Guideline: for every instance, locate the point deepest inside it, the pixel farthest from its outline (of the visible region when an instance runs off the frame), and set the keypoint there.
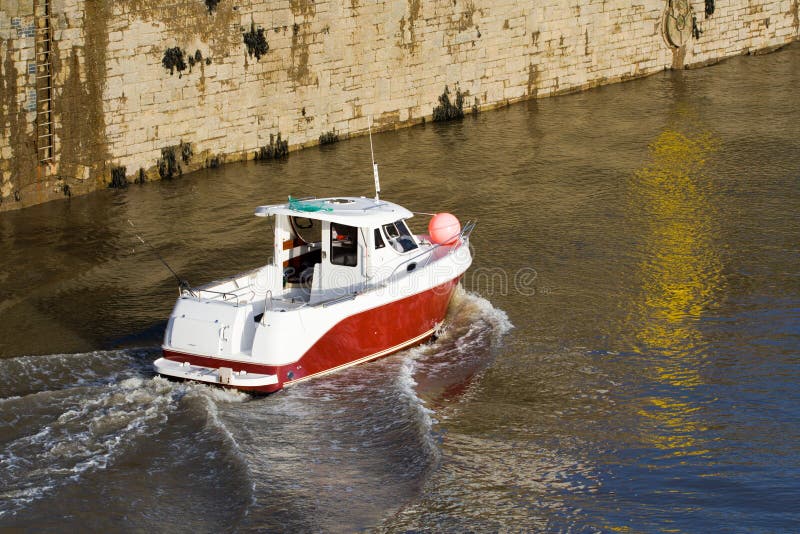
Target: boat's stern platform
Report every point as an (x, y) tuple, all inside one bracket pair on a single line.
[(222, 376)]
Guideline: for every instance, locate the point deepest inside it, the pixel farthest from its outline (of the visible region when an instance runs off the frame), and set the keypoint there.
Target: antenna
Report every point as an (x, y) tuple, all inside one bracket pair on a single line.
[(374, 165)]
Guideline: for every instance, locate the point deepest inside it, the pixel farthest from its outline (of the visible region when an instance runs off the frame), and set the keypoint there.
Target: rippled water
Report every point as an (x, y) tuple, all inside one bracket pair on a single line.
[(624, 355)]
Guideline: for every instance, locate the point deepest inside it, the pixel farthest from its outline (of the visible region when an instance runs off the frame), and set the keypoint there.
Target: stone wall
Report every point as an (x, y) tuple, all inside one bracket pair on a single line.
[(311, 68)]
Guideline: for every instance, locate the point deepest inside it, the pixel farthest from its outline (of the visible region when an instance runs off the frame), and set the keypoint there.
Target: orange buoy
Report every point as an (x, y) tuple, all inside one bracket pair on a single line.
[(444, 229)]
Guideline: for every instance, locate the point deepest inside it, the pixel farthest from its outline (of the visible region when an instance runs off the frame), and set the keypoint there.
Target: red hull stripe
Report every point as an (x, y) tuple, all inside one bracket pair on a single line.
[(419, 339), (215, 363)]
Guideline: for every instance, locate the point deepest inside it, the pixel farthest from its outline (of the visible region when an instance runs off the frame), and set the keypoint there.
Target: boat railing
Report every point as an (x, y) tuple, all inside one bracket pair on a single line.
[(463, 237), (224, 296), (267, 305), (238, 291), (337, 300)]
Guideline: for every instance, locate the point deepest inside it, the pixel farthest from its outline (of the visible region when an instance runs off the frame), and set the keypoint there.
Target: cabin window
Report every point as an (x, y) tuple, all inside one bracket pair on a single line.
[(399, 236), (307, 230), (344, 245), (302, 250), (379, 239)]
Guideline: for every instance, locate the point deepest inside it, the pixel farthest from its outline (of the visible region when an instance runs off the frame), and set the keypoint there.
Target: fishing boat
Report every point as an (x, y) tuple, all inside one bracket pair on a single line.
[(348, 283)]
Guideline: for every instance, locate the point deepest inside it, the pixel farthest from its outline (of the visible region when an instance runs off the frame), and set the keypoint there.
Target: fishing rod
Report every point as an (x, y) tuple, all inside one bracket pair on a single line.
[(182, 284)]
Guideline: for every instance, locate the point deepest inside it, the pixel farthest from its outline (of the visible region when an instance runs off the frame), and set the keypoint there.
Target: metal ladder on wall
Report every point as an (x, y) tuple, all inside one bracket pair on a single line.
[(44, 82)]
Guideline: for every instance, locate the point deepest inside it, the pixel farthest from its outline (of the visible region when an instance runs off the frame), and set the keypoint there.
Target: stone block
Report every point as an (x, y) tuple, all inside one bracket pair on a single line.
[(161, 97)]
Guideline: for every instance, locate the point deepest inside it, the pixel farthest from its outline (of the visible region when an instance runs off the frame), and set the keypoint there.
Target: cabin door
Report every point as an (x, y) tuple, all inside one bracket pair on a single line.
[(341, 270)]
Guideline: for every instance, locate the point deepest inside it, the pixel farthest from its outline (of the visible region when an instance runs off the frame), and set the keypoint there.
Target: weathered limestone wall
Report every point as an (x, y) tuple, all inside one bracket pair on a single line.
[(329, 65)]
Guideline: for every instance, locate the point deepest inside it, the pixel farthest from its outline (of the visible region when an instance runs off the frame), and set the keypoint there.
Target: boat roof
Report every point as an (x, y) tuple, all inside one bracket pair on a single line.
[(352, 211)]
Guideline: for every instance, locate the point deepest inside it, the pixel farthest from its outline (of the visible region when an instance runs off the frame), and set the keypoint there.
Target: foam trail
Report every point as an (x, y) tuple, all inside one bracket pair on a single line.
[(91, 429), (87, 424), (24, 375), (425, 417), (472, 328), (210, 398)]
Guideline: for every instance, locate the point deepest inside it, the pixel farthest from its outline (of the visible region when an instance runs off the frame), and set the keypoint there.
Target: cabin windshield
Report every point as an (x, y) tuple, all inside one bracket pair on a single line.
[(378, 239), (399, 236)]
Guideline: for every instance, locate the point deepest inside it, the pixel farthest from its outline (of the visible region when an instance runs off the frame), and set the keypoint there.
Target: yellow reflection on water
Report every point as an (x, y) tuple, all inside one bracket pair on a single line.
[(680, 277)]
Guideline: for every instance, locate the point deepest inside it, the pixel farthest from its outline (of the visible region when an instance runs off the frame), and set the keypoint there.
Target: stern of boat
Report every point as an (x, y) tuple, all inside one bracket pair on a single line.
[(221, 376)]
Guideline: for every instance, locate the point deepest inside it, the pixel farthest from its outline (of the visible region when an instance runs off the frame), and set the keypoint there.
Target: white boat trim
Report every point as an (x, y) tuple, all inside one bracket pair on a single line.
[(223, 375)]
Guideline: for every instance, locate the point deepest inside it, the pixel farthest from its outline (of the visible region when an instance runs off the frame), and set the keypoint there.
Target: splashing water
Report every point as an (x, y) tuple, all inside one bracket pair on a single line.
[(78, 413)]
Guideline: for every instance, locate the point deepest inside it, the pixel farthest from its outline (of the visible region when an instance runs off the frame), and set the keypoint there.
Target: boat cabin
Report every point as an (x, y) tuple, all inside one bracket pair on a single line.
[(329, 248)]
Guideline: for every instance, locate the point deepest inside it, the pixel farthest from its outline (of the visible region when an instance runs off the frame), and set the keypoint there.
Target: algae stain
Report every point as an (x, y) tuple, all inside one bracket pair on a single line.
[(8, 85), (74, 104), (81, 129), (678, 57), (586, 50), (465, 21), (533, 80), (414, 8), (201, 84), (303, 8), (6, 78), (22, 142), (220, 31), (299, 72)]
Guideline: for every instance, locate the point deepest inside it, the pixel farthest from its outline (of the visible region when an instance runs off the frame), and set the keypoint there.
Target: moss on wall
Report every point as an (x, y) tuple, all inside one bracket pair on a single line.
[(449, 110), (174, 60), (256, 42)]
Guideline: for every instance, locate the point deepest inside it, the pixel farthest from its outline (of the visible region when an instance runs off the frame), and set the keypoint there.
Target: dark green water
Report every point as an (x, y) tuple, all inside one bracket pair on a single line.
[(643, 239)]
